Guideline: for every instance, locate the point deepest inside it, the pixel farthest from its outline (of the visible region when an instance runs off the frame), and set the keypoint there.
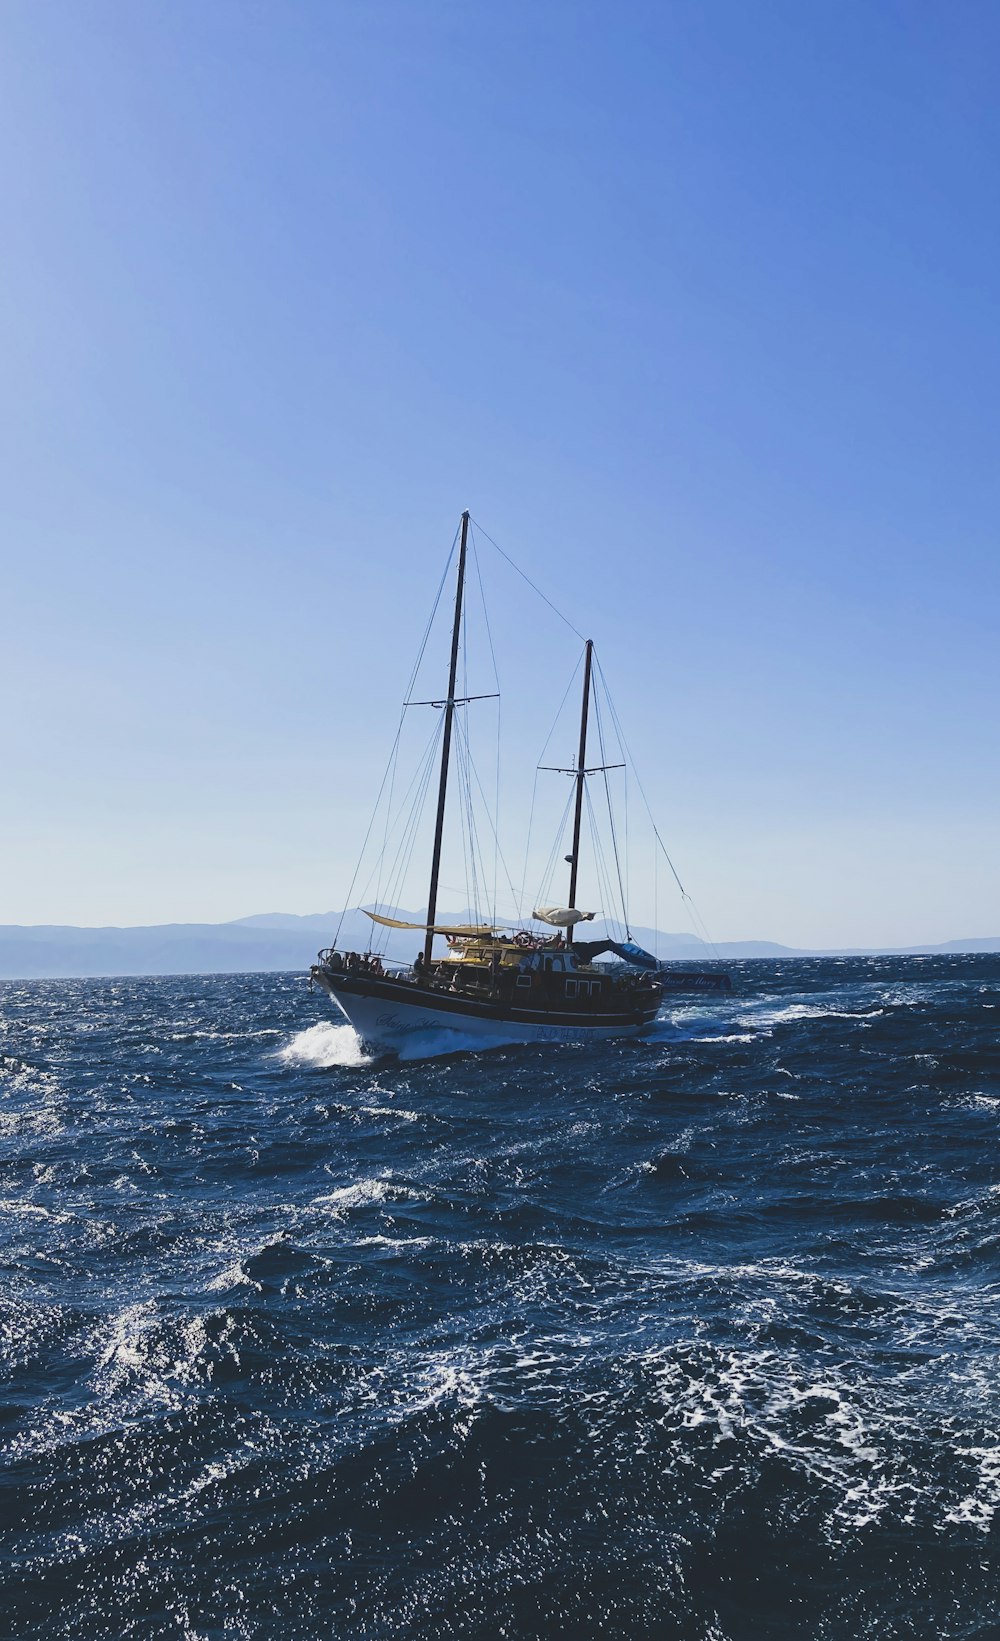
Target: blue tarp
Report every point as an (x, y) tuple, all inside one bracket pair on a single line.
[(631, 953), (587, 950)]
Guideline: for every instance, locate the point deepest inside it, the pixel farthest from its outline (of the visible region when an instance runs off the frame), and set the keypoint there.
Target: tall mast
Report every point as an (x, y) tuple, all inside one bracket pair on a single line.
[(449, 715), (581, 776)]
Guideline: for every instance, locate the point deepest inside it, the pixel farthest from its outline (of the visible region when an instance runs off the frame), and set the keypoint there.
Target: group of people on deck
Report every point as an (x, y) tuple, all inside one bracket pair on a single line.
[(356, 962)]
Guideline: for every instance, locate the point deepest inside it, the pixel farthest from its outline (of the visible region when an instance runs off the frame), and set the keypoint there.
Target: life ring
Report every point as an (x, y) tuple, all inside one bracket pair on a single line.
[(524, 939)]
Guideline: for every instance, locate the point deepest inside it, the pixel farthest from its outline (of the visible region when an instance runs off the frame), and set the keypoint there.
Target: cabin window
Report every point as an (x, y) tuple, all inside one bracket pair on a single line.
[(583, 988), (524, 982)]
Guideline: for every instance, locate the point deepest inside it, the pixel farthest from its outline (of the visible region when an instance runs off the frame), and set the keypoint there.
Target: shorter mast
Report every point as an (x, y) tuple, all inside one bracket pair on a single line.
[(449, 715), (581, 776)]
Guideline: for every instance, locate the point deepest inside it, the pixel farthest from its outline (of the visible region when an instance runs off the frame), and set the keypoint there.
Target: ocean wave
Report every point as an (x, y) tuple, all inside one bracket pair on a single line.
[(693, 1336)]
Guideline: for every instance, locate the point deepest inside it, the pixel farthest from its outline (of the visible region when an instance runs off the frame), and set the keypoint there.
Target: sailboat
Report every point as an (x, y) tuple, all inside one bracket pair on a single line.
[(497, 984)]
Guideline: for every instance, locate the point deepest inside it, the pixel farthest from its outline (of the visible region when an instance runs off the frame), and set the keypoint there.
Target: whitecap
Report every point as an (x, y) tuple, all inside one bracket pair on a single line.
[(363, 1193), (325, 1045)]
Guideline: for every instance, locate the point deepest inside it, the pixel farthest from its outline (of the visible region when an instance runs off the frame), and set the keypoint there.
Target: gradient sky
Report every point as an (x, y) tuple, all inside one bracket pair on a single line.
[(693, 304)]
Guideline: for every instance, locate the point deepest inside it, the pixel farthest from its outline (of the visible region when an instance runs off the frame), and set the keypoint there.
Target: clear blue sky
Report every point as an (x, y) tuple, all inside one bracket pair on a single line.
[(694, 304)]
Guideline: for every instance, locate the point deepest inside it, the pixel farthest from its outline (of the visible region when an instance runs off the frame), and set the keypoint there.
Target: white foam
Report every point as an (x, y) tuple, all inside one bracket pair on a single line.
[(33, 1210), (358, 1195), (234, 1276), (979, 1508), (395, 1242), (363, 1193), (806, 1011), (325, 1045), (400, 1112)]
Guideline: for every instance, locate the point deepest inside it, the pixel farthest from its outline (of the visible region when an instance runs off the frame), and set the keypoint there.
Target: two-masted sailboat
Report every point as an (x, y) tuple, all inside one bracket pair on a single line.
[(496, 984)]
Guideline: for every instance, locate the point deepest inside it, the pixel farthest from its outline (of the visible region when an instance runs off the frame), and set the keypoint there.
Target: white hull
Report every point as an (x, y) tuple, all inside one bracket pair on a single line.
[(393, 1025)]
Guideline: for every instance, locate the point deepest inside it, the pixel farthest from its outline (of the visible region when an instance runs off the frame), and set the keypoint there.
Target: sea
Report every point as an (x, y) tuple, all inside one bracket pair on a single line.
[(690, 1337)]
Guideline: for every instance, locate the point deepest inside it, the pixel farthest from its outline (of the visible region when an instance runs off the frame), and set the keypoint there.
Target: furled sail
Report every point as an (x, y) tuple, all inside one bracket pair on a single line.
[(436, 928), (562, 917)]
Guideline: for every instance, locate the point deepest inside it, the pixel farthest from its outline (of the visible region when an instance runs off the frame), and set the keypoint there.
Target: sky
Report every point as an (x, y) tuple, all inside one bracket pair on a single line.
[(693, 304)]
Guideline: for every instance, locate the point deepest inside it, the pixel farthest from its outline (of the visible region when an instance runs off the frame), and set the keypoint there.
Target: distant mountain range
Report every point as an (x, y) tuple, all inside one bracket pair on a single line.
[(279, 940)]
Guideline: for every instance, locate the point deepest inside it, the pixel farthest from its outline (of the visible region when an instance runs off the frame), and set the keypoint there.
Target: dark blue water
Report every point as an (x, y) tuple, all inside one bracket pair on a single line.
[(697, 1337)]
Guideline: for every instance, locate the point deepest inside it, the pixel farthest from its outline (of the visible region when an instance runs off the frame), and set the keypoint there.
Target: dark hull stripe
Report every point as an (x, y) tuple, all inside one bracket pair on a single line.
[(444, 1003)]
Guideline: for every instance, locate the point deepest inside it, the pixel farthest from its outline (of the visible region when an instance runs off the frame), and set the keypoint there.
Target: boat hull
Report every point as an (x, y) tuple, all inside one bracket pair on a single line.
[(394, 1015)]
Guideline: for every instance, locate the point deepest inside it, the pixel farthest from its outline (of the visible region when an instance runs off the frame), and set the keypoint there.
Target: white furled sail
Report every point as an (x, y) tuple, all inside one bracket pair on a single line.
[(562, 917), (434, 928)]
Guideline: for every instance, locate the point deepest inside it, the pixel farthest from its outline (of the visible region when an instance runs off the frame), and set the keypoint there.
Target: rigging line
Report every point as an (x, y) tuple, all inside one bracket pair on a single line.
[(476, 863), (430, 619), (510, 883), (628, 880), (625, 797), (459, 795), (519, 898), (656, 904), (534, 789), (406, 855), (407, 847), (471, 769), (388, 806), (559, 709), (693, 911), (531, 584), (550, 864), (468, 853), (495, 819), (611, 812), (638, 781), (603, 873), (410, 805), (486, 613), (403, 819), (395, 745), (496, 680), (467, 821), (470, 895), (701, 929), (559, 842), (468, 848), (368, 833), (478, 854), (418, 785)]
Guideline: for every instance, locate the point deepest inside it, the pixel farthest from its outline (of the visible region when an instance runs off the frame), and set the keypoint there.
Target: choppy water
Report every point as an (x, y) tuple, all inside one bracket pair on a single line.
[(697, 1337)]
